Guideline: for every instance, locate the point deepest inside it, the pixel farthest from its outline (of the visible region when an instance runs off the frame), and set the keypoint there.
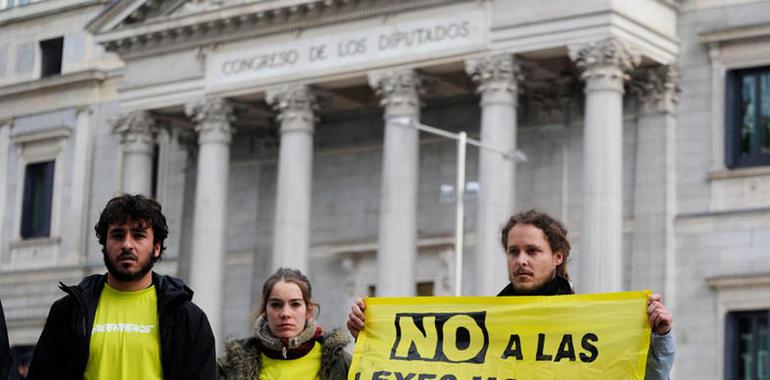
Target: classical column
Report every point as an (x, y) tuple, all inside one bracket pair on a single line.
[(652, 255), (137, 132), (604, 64), (496, 78), (398, 198), (81, 174), (291, 236), (212, 118)]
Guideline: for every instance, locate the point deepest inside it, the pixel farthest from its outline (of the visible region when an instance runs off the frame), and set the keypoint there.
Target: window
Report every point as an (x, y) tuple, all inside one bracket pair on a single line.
[(425, 289), (747, 345), (748, 117), (51, 56), (36, 201)]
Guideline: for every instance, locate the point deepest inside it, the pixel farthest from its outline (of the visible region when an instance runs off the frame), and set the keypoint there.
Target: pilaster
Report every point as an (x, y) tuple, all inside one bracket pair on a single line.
[(653, 252)]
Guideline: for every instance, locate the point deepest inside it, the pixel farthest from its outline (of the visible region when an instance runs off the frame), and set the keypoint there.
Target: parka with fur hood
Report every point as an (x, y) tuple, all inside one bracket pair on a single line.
[(241, 360)]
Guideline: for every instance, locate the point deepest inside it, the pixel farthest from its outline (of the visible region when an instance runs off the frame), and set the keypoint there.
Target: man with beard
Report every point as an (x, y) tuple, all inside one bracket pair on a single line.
[(537, 249), (130, 323)]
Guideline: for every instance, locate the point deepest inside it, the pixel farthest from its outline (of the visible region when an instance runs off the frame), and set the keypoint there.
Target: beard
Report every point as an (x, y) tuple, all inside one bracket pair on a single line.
[(532, 288), (123, 275)]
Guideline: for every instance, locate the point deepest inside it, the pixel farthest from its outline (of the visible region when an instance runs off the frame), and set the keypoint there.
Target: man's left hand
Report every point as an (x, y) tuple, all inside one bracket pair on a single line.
[(660, 318)]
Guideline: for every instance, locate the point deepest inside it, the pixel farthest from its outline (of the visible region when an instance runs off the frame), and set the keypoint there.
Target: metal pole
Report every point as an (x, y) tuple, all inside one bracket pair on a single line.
[(462, 141), (459, 212)]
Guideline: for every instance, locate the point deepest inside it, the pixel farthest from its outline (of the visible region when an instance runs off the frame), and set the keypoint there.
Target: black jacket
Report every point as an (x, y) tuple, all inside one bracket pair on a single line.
[(5, 351), (186, 340), (556, 287)]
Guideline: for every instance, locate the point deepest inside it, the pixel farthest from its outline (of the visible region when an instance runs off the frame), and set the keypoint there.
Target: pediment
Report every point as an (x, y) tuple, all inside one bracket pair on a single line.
[(122, 14), (153, 26)]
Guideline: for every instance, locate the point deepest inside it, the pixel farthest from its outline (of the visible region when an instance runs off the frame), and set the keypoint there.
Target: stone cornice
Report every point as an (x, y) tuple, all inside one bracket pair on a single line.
[(44, 8), (739, 281), (88, 77), (242, 21), (736, 34)]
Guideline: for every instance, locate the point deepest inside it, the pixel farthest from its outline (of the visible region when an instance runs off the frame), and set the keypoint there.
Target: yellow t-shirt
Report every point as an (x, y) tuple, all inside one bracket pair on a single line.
[(125, 341), (307, 367)]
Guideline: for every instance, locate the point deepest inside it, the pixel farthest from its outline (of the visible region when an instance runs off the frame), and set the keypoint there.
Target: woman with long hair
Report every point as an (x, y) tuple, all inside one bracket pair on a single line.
[(286, 343)]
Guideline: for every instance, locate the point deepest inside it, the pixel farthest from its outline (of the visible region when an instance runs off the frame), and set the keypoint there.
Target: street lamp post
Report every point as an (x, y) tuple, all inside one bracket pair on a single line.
[(462, 140)]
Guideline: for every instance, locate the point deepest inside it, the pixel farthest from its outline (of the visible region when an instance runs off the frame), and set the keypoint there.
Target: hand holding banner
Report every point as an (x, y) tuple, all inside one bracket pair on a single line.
[(596, 336)]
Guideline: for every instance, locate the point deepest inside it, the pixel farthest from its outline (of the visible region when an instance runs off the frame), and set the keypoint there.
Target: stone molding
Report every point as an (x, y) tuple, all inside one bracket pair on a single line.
[(608, 60), (657, 88), (221, 20), (137, 130), (212, 118), (400, 90), (296, 105), (495, 74)]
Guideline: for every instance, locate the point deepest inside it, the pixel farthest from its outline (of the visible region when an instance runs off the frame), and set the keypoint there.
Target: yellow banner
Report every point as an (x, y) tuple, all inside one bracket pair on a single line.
[(595, 336)]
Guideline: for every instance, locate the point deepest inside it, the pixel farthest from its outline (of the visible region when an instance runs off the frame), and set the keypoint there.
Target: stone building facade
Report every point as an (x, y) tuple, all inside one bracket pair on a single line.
[(283, 133)]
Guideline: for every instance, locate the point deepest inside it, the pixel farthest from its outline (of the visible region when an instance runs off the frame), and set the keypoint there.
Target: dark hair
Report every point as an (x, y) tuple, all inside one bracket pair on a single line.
[(553, 229), (137, 208), (293, 276)]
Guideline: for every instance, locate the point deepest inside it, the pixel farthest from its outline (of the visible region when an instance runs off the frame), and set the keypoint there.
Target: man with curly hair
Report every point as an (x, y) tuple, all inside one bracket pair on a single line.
[(130, 323), (537, 249)]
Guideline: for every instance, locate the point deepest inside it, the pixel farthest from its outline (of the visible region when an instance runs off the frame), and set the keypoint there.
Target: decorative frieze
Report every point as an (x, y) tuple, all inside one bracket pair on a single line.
[(495, 74), (657, 88), (296, 105), (607, 61), (212, 118), (137, 131), (400, 90)]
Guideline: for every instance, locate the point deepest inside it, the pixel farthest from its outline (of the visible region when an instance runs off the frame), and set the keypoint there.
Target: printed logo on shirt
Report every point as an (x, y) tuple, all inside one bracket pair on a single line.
[(122, 328)]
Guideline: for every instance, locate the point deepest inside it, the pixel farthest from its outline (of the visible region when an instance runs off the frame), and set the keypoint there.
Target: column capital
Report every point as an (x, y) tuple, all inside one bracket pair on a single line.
[(137, 130), (400, 90), (212, 118), (605, 60), (495, 74), (657, 88), (295, 104)]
